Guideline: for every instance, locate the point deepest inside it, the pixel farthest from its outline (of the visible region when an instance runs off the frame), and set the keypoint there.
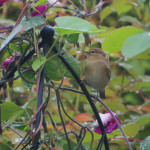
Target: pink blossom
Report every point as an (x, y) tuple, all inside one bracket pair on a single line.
[(6, 62), (2, 1), (41, 9), (108, 122)]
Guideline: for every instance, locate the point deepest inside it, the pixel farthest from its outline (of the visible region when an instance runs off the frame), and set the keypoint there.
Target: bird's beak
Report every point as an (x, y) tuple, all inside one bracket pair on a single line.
[(85, 51)]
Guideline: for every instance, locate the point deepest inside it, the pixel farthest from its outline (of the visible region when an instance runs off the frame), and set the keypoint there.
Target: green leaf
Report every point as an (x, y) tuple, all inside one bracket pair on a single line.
[(131, 129), (136, 44), (141, 1), (8, 109), (130, 19), (14, 47), (133, 68), (70, 25), (74, 65), (40, 2), (30, 112), (116, 104), (143, 56), (115, 40), (19, 126), (26, 129), (73, 38), (29, 76), (14, 116), (5, 145), (56, 70), (145, 78), (121, 6), (135, 65), (119, 81), (128, 68), (21, 27), (26, 105), (105, 12), (38, 63), (72, 144), (88, 137), (10, 112), (145, 145), (144, 119), (132, 98), (3, 56)]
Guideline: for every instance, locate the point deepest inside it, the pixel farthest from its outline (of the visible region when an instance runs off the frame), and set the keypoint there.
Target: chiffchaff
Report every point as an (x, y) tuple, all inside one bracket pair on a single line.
[(97, 70)]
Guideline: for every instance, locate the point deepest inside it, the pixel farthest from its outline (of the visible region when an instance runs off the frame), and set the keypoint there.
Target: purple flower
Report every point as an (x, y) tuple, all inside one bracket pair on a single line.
[(2, 1), (108, 122), (6, 62), (41, 9)]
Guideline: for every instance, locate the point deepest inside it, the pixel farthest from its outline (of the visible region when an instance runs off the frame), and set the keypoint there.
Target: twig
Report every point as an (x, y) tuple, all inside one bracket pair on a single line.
[(39, 126), (22, 140), (14, 131), (21, 14), (81, 139), (19, 64), (62, 121), (31, 121), (77, 123), (22, 72), (26, 145), (73, 4), (53, 123)]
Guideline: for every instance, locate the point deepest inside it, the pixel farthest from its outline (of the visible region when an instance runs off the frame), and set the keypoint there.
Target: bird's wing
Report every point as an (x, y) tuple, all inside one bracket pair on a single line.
[(107, 70)]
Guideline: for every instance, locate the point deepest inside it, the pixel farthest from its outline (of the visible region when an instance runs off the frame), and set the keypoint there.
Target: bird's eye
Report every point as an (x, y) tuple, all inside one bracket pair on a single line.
[(93, 52)]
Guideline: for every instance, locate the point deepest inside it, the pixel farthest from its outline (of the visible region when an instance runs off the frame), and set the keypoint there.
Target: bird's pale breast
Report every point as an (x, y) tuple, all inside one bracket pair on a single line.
[(96, 74)]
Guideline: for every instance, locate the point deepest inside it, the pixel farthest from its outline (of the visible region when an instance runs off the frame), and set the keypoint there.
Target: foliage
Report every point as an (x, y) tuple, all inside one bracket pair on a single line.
[(121, 28)]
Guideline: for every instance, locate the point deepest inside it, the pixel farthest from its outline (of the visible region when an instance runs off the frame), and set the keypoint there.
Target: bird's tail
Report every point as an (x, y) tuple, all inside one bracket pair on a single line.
[(102, 94)]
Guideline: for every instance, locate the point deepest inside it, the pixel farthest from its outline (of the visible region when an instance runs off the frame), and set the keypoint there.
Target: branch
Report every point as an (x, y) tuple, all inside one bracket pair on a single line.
[(125, 137)]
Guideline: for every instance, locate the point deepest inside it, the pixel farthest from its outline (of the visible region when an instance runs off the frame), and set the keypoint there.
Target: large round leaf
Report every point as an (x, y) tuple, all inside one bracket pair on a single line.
[(145, 145), (115, 40), (136, 44), (56, 70), (71, 25)]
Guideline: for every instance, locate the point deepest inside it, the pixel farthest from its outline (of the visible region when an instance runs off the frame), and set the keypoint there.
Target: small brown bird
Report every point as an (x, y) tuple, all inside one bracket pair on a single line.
[(97, 70)]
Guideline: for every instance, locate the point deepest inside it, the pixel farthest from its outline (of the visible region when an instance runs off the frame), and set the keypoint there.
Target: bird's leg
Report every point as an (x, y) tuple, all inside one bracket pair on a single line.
[(97, 94)]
